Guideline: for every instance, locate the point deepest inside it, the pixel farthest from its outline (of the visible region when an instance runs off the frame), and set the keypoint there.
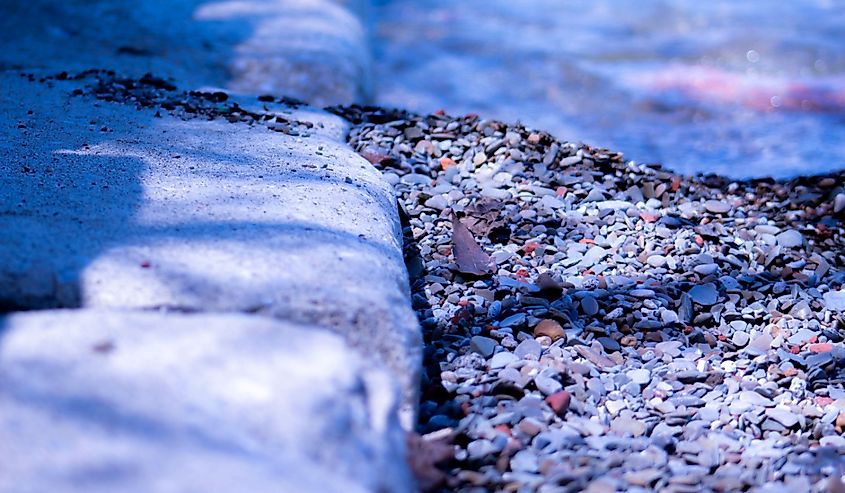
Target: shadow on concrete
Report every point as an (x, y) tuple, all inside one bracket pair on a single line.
[(75, 205), (159, 36)]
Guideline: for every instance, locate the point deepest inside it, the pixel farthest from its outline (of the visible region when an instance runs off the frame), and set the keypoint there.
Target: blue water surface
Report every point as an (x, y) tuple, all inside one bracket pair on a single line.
[(741, 88)]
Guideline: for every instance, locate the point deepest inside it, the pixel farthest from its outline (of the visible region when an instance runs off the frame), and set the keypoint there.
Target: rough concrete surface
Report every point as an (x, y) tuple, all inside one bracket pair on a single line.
[(197, 215), (101, 401), (312, 49)]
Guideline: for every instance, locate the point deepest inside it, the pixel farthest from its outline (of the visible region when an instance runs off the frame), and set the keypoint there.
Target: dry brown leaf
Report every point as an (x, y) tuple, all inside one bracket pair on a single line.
[(469, 256), (423, 457), (483, 216), (835, 485)]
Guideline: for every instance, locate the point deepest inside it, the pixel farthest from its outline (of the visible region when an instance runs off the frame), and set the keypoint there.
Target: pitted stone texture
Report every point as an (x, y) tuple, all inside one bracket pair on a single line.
[(198, 215), (315, 50), (101, 401)]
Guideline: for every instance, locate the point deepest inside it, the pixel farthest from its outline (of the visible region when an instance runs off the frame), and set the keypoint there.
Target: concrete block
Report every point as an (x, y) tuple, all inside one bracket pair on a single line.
[(134, 211), (102, 401)]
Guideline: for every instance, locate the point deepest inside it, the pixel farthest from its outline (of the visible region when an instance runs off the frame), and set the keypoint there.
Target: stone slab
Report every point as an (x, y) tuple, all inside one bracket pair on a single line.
[(102, 401), (102, 205)]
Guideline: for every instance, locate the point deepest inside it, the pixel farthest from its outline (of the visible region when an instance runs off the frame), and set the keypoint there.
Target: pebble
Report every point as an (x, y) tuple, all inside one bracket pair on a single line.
[(790, 239), (755, 399), (609, 344), (530, 426), (643, 478), (640, 376), (801, 336), (559, 402), (704, 294), (835, 301), (760, 345), (839, 203), (589, 305), (835, 441), (595, 195), (671, 348), (614, 204), (524, 461), (528, 349), (437, 202), (786, 418), (480, 448), (627, 426), (642, 293), (513, 320), (592, 256), (717, 206), (547, 385), (740, 339), (668, 317), (615, 406), (483, 345), (502, 359), (705, 269), (549, 328)]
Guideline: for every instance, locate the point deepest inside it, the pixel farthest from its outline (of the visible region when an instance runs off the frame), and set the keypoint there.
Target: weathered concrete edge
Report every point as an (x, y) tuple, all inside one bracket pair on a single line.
[(363, 11), (372, 310), (315, 51), (78, 383)]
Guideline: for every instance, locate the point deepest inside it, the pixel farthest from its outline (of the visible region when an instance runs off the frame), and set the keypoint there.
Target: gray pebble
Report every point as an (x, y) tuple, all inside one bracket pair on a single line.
[(782, 416), (740, 339), (640, 376), (706, 269), (483, 345), (704, 294), (751, 397), (502, 359), (609, 344), (835, 301), (528, 349), (717, 206), (513, 320), (547, 385), (839, 203), (589, 305), (790, 238)]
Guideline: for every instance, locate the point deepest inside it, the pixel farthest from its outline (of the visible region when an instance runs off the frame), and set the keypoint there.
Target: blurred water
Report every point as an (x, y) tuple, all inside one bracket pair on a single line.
[(743, 88)]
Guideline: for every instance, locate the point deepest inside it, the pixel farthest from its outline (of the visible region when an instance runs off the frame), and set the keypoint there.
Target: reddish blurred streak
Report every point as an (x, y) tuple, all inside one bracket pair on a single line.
[(762, 93)]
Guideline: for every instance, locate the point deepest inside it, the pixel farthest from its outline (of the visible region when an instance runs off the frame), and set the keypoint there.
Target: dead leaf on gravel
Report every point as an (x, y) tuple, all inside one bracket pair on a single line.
[(469, 256), (483, 216), (423, 457), (835, 485)]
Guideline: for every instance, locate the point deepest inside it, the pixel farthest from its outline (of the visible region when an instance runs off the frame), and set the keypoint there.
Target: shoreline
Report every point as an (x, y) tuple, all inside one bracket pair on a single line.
[(639, 331)]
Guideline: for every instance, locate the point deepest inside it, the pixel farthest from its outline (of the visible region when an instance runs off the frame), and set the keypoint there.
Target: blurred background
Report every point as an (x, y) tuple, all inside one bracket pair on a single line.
[(742, 88)]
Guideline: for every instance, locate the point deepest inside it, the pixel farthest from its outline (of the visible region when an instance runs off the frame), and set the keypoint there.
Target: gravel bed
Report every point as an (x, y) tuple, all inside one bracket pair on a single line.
[(598, 325)]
